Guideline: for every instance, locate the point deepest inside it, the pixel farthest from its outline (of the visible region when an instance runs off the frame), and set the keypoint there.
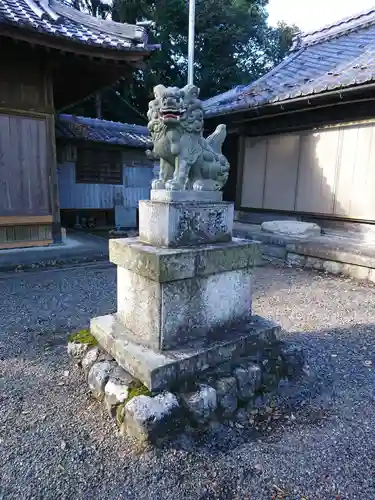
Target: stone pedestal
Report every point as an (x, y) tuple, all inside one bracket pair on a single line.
[(183, 291), (185, 223)]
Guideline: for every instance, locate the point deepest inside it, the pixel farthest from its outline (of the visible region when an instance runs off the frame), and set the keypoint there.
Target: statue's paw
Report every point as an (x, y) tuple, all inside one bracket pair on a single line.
[(206, 185), (199, 186), (157, 184), (173, 185)]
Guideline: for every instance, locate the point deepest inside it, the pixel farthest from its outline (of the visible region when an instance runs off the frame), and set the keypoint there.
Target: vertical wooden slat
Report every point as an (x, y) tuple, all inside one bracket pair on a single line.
[(255, 155), (360, 206), (317, 172), (281, 172), (346, 171), (5, 195), (23, 166)]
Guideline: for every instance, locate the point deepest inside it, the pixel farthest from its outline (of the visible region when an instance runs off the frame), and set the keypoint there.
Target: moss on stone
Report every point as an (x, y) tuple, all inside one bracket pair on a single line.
[(137, 389), (120, 414), (83, 337)]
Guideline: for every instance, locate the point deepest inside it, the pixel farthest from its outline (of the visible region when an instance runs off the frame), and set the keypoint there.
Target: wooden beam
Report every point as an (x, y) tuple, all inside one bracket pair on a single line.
[(25, 244), (25, 220)]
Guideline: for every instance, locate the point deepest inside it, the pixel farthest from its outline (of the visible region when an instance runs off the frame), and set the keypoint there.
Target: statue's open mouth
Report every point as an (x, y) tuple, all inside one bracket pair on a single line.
[(174, 114)]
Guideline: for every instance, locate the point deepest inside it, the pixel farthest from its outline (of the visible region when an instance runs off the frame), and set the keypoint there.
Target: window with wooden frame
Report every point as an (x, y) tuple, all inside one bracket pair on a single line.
[(97, 165)]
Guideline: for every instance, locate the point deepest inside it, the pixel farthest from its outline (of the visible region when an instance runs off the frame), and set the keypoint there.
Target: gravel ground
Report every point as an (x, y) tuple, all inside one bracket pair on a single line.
[(56, 443)]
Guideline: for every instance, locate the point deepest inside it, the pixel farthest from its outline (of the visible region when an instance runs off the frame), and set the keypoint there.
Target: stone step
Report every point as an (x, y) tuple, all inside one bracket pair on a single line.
[(159, 370)]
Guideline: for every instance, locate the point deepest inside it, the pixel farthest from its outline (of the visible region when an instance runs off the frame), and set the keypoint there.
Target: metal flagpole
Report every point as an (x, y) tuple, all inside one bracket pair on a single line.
[(191, 41)]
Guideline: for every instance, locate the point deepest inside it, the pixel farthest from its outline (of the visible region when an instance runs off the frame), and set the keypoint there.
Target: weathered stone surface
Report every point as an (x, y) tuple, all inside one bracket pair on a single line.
[(295, 259), (332, 267), (89, 358), (187, 195), (77, 350), (117, 388), (98, 377), (249, 380), (161, 370), (147, 418), (314, 263), (279, 252), (201, 404), (357, 272), (164, 316), (371, 275), (185, 224), (226, 390), (293, 358), (167, 264), (329, 250), (241, 416), (291, 228)]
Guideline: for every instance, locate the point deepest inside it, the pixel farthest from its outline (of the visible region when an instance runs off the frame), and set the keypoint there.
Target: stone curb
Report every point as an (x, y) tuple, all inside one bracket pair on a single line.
[(53, 263)]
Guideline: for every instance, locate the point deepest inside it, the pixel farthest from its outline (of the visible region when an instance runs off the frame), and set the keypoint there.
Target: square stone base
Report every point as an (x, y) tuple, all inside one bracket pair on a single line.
[(167, 297), (165, 370), (185, 223)]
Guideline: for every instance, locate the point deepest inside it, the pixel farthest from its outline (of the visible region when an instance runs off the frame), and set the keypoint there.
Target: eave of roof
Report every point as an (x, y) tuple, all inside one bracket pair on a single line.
[(70, 127), (52, 21), (337, 57)]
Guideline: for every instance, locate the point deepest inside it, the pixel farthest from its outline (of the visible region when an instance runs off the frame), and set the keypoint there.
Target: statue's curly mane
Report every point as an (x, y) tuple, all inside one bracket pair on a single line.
[(191, 120), (187, 159)]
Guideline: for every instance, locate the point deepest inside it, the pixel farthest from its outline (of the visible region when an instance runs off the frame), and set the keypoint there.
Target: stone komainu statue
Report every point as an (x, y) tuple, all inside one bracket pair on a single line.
[(187, 159)]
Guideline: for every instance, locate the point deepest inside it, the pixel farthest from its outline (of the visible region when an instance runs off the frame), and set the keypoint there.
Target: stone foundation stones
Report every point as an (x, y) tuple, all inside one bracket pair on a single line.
[(147, 418), (233, 399), (98, 377)]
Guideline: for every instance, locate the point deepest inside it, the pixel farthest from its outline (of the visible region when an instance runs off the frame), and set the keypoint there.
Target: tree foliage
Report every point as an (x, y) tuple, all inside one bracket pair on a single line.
[(233, 45)]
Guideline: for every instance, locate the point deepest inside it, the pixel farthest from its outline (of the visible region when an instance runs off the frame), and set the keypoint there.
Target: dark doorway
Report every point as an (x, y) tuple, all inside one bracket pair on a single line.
[(230, 150)]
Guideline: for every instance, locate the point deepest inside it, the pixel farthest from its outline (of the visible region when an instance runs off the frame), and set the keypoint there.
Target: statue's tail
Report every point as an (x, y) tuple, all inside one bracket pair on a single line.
[(216, 139)]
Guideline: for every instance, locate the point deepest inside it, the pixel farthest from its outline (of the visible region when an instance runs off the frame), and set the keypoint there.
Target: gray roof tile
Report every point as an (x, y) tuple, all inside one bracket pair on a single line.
[(54, 18), (336, 57), (103, 131)]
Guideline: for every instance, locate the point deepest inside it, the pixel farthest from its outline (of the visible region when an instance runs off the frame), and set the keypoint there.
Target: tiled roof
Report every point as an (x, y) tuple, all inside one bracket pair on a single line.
[(338, 56), (92, 129), (53, 18)]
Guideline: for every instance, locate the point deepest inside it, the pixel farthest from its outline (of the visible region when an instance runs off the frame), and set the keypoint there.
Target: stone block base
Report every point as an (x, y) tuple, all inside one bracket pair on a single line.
[(179, 224), (239, 394), (167, 297), (159, 370)]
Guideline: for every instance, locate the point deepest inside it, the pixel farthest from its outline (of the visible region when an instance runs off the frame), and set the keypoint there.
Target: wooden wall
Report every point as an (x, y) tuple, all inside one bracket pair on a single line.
[(28, 203), (137, 175), (328, 171), (26, 86), (24, 186)]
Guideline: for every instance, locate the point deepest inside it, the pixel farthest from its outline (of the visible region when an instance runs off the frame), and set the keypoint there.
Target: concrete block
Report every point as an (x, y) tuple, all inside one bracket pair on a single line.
[(165, 315), (179, 224), (167, 264), (163, 370)]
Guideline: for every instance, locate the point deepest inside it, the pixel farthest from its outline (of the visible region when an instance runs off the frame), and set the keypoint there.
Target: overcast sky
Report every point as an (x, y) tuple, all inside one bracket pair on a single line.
[(312, 14)]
